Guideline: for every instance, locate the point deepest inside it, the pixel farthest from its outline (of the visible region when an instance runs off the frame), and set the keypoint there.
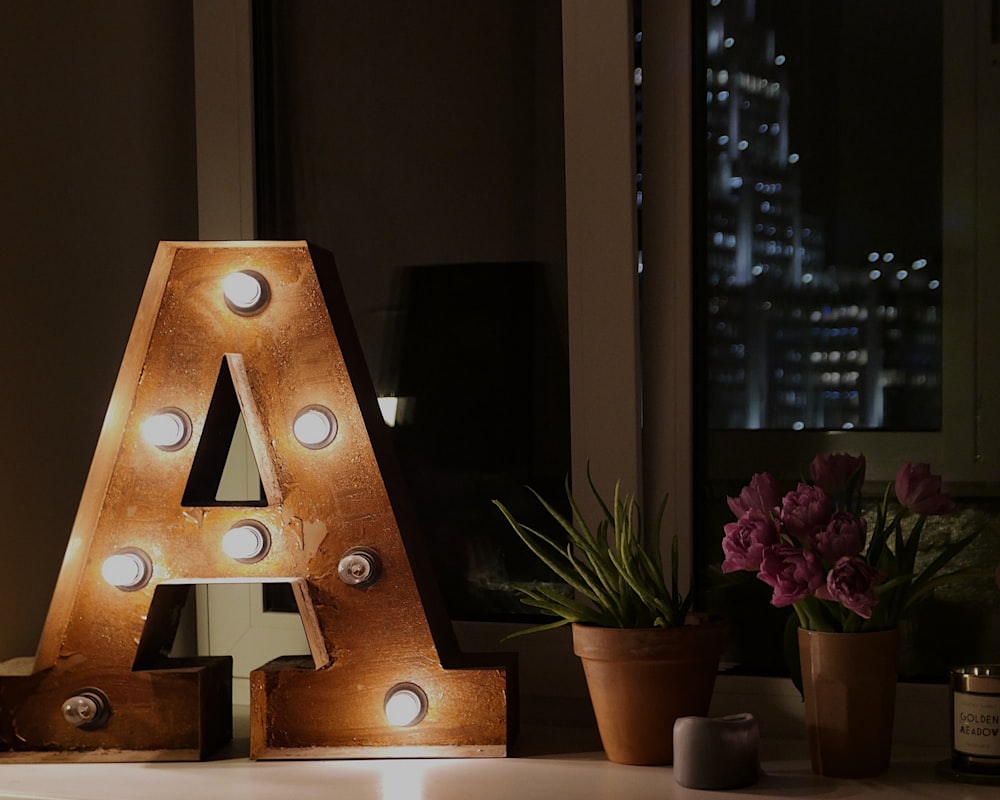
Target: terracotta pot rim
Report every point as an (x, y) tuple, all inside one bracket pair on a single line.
[(613, 644), (694, 619)]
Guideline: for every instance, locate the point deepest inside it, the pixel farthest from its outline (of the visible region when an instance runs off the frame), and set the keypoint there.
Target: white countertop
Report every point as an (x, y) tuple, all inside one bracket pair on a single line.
[(546, 763)]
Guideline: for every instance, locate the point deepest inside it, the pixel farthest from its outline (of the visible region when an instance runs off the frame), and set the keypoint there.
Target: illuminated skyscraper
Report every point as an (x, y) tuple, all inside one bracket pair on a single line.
[(796, 339)]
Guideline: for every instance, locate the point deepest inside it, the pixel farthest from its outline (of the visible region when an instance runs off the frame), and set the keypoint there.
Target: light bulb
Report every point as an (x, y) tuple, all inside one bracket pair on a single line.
[(359, 567), (315, 427), (247, 542), (88, 709), (169, 429), (405, 705), (246, 291), (128, 569)]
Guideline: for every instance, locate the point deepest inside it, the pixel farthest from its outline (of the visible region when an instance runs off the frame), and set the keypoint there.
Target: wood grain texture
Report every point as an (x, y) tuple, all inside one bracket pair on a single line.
[(189, 351)]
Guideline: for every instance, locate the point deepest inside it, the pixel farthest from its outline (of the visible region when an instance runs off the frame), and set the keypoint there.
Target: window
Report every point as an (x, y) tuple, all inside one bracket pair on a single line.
[(823, 263), (840, 272), (668, 451), (868, 333)]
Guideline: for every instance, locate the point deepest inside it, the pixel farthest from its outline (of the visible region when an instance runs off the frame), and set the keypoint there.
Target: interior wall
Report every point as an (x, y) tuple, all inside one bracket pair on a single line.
[(97, 154)]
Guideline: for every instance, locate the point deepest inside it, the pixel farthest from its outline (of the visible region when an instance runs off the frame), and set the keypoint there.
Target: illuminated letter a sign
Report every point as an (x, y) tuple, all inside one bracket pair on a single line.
[(223, 330)]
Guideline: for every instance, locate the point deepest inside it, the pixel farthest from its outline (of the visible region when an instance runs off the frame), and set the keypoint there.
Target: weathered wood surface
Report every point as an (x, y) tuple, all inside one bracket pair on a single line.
[(300, 350)]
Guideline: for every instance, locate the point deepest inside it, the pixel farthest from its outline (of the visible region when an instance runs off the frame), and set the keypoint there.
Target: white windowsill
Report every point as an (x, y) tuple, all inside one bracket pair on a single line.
[(583, 774), (545, 762)]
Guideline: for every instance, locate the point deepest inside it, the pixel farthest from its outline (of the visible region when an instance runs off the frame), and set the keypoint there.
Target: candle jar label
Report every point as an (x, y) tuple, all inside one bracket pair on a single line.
[(977, 724)]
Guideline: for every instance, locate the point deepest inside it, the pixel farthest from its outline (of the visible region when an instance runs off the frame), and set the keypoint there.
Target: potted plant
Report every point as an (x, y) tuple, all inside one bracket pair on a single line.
[(647, 659), (849, 588)]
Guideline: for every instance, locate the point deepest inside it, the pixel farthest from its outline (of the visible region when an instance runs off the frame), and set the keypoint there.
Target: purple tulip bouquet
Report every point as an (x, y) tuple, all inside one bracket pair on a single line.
[(813, 547)]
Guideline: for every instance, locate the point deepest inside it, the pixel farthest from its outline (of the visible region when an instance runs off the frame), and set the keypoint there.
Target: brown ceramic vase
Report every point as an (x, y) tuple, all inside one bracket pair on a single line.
[(849, 687), (642, 679)]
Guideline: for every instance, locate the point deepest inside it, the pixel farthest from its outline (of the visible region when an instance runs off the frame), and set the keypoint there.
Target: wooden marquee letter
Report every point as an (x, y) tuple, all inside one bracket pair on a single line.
[(278, 347)]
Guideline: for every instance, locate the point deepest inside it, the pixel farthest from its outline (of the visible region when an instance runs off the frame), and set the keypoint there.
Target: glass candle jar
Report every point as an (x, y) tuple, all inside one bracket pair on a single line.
[(975, 703)]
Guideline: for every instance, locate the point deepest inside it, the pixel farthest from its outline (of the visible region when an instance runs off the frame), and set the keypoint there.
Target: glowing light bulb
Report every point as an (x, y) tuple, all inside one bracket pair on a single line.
[(315, 427), (247, 542), (246, 292), (405, 705), (128, 569), (168, 429)]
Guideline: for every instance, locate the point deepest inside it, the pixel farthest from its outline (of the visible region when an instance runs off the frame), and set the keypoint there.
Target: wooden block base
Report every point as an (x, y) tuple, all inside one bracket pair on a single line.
[(297, 712), (182, 712)]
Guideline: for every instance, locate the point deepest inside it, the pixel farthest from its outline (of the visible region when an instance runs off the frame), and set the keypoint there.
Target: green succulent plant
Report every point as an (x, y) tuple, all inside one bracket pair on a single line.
[(616, 570)]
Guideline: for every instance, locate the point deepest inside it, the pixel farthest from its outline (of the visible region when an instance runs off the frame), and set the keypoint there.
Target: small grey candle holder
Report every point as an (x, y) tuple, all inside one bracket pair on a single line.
[(717, 752)]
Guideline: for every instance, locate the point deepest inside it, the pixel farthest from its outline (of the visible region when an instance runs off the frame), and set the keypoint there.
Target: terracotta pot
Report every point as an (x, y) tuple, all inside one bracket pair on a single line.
[(642, 679), (849, 686)]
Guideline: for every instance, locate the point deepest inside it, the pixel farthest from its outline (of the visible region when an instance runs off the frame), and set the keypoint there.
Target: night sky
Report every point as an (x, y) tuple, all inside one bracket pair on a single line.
[(865, 86)]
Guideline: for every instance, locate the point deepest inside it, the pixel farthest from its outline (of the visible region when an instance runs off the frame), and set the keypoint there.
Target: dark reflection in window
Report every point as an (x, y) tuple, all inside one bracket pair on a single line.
[(421, 143), (823, 212), (482, 393)]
